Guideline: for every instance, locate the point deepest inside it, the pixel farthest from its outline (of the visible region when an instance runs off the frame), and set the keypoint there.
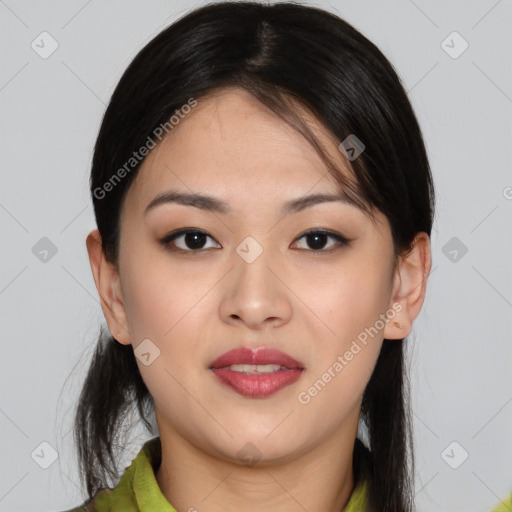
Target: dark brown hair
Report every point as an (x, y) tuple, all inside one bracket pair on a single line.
[(287, 55)]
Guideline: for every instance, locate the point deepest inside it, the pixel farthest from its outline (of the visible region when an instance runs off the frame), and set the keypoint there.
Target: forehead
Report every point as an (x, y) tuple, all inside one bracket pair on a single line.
[(231, 142)]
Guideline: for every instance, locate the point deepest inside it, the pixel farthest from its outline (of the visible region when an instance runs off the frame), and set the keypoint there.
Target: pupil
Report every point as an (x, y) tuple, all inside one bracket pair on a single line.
[(195, 240), (317, 240)]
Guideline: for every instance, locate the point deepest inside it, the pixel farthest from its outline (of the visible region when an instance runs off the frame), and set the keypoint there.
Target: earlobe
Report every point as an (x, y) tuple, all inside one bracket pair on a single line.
[(107, 282), (409, 287)]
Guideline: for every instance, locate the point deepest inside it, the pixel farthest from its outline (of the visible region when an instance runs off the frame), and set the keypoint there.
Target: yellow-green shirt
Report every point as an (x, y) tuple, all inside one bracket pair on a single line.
[(138, 490)]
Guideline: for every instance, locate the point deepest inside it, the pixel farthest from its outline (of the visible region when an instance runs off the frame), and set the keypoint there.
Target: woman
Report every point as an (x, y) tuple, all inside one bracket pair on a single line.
[(264, 206)]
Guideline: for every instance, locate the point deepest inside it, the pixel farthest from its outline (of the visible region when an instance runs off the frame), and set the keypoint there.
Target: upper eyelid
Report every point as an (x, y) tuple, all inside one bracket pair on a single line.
[(167, 239)]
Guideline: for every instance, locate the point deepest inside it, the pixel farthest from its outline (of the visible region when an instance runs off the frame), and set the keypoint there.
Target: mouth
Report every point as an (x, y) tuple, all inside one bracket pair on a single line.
[(254, 369), (256, 373)]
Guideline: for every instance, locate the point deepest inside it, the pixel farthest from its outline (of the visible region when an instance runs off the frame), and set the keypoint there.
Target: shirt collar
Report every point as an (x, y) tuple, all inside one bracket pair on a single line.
[(140, 477)]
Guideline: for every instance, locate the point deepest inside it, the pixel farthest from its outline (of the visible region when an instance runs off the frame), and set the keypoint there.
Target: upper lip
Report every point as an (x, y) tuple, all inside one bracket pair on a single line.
[(256, 356)]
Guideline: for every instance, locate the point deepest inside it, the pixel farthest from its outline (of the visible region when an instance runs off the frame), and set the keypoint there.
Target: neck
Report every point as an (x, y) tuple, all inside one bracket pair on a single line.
[(320, 480)]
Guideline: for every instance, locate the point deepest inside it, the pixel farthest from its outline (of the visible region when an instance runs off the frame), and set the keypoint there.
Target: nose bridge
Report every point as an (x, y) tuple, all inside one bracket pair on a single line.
[(255, 294), (251, 268)]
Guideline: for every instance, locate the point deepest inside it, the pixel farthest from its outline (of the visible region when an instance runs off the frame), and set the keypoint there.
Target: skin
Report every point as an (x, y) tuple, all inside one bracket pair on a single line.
[(194, 306)]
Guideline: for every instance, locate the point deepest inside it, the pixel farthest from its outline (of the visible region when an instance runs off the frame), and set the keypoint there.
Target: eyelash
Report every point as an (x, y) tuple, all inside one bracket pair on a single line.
[(166, 241)]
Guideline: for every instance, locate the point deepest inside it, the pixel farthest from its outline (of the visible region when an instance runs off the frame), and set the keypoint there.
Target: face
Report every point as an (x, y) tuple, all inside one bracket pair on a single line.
[(199, 280)]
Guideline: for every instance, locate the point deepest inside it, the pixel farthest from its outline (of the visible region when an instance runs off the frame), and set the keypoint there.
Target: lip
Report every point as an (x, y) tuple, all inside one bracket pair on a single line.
[(257, 386), (256, 356)]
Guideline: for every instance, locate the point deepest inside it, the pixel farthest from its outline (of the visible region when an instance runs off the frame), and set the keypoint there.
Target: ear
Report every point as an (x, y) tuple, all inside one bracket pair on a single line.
[(108, 284), (409, 286)]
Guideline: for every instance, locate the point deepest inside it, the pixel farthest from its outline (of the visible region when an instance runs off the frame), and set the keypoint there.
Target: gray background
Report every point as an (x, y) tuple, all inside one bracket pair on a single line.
[(50, 111)]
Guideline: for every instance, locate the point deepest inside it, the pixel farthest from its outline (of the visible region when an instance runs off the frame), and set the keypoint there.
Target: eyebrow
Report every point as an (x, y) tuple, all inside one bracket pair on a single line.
[(213, 204)]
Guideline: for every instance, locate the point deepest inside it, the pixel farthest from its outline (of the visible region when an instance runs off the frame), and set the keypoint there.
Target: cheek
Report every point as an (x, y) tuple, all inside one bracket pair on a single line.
[(149, 306), (352, 300), (343, 362), (173, 309), (349, 303), (166, 306), (159, 296)]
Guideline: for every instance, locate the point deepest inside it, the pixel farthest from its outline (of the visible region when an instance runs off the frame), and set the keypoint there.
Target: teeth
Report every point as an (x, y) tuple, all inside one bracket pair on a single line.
[(254, 369)]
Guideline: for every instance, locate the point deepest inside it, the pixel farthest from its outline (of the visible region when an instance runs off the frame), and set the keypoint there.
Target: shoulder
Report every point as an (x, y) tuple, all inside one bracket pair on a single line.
[(505, 505), (119, 498), (109, 500), (358, 498), (139, 475)]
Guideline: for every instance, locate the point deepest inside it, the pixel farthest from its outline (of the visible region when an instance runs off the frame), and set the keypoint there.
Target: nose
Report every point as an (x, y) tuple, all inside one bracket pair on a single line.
[(256, 294)]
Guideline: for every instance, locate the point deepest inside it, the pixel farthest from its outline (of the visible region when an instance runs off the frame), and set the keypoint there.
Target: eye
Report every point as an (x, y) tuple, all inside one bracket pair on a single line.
[(318, 240), (189, 240), (194, 240)]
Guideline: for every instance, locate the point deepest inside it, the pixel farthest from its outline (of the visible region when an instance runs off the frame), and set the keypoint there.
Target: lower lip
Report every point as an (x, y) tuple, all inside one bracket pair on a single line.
[(257, 386)]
